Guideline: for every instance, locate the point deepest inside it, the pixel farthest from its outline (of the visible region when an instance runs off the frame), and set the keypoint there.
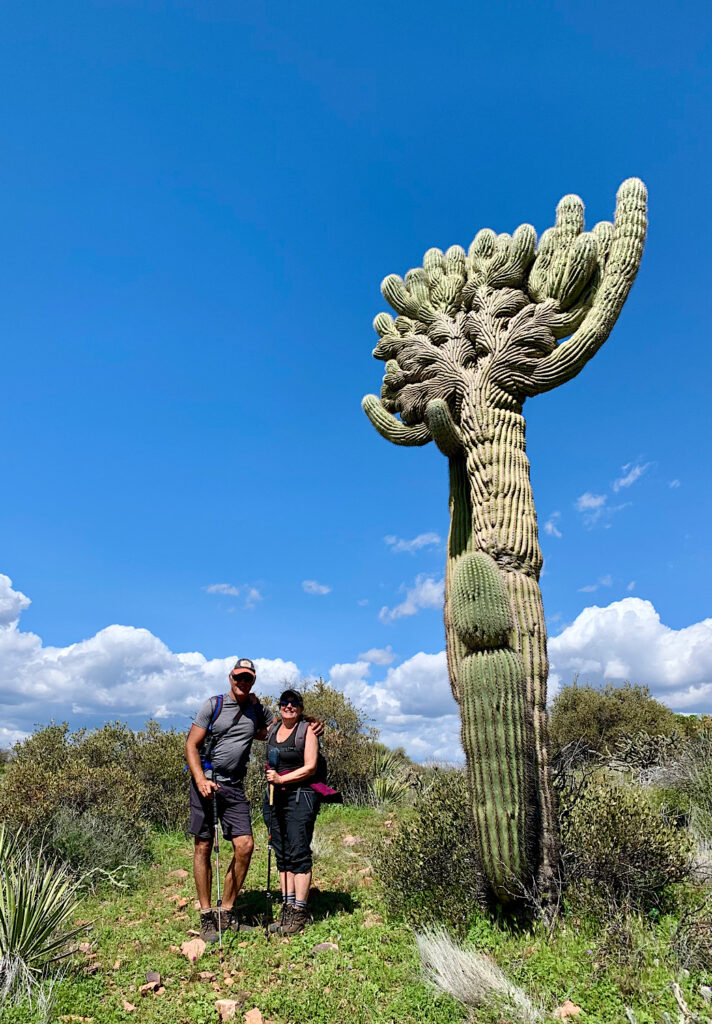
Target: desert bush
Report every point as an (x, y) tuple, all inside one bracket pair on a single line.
[(428, 872), (602, 717), (691, 940), (618, 847), (687, 777), (85, 796), (37, 900), (472, 978)]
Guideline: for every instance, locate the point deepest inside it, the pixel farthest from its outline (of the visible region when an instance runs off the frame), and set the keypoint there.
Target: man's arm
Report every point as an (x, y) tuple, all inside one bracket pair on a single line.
[(192, 756)]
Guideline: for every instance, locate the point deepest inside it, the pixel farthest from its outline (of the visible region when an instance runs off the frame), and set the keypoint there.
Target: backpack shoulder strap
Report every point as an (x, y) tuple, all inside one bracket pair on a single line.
[(217, 708), (300, 737), (272, 732)]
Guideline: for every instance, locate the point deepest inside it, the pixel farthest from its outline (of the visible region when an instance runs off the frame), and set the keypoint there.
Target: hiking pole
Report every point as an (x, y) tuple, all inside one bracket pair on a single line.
[(273, 762), (216, 833)]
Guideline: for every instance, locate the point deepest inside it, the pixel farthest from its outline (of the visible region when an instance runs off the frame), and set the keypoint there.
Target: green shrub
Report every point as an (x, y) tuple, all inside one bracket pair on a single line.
[(90, 797), (617, 846), (601, 717), (428, 872)]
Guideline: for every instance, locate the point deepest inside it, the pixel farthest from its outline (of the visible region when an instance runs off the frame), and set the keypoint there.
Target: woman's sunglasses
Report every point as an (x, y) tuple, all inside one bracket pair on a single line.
[(290, 704)]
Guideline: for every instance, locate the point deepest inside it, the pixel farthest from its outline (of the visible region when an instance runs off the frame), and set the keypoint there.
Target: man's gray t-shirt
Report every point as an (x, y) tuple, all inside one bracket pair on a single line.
[(233, 739)]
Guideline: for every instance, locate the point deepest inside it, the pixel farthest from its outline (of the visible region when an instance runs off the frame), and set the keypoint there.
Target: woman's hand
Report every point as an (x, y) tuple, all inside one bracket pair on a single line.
[(273, 776)]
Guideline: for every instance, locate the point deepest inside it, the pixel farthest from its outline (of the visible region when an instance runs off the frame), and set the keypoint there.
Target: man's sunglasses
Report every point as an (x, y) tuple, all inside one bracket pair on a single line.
[(242, 675), (289, 704)]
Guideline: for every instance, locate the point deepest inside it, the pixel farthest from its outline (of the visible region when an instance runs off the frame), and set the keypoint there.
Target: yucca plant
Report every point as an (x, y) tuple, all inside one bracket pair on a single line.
[(37, 899), (391, 778)]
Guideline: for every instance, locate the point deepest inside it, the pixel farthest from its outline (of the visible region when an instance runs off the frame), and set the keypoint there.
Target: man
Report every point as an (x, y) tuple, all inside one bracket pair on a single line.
[(241, 720)]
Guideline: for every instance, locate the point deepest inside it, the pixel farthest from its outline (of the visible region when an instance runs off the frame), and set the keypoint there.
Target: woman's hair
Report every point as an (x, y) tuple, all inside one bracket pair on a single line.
[(295, 697)]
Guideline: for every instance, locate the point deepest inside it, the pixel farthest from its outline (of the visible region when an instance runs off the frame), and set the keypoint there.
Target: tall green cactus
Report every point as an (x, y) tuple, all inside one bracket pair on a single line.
[(476, 334)]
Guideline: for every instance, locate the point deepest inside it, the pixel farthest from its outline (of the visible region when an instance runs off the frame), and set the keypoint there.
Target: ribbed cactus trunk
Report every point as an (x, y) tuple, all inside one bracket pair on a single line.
[(492, 512), (476, 334)]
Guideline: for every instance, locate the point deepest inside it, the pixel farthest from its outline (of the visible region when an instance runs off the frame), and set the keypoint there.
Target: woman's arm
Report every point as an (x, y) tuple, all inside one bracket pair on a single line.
[(311, 752)]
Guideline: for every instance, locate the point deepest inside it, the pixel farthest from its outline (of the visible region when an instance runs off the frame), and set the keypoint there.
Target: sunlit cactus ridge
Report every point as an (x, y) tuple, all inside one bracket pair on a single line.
[(475, 334)]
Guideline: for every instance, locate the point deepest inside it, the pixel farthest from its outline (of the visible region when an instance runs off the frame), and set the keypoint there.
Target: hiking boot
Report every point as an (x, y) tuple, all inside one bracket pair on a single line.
[(276, 925), (231, 922), (296, 921), (208, 926)]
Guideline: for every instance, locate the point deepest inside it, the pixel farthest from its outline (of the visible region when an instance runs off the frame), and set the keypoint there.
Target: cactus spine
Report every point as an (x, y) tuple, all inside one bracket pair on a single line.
[(475, 335)]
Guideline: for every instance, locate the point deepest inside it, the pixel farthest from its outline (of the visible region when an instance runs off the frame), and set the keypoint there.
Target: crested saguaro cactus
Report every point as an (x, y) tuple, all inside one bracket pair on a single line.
[(476, 334)]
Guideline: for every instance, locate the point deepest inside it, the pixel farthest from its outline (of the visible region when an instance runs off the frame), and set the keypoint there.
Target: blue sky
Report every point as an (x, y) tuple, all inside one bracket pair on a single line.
[(199, 203)]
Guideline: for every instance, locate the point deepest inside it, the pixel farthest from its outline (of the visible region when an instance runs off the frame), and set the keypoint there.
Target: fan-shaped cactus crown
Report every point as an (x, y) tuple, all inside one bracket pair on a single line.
[(504, 306)]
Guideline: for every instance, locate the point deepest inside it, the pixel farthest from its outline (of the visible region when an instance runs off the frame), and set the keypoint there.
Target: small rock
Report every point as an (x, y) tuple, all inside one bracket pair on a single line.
[(193, 949), (161, 991), (92, 968), (352, 840), (243, 944), (174, 949), (254, 1017), (117, 964), (150, 986), (152, 976), (84, 947), (129, 1007), (178, 873), (371, 920), (388, 824), (207, 976), (567, 1009), (192, 931), (227, 1008), (706, 993), (324, 947)]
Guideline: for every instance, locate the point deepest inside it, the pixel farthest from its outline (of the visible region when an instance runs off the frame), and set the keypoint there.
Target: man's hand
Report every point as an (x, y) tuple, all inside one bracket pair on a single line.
[(315, 724), (206, 787)]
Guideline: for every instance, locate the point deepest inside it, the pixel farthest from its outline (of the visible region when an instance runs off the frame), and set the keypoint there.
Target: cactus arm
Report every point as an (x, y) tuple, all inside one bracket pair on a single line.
[(391, 428), (620, 270), (445, 431)]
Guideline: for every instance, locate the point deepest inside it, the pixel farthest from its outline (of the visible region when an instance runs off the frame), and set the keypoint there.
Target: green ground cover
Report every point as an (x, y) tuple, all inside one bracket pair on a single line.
[(374, 974)]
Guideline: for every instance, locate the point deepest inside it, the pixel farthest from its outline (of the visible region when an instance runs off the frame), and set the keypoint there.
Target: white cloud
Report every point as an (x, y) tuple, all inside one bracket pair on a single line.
[(632, 471), (378, 655), (589, 502), (397, 544), (550, 526), (627, 641), (349, 673), (120, 671), (674, 484), (603, 581), (363, 602), (250, 595), (631, 586), (591, 506), (413, 707), (12, 602), (426, 592), (312, 587)]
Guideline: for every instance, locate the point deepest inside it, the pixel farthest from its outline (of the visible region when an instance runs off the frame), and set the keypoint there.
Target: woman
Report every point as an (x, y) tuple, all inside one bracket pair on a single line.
[(290, 819)]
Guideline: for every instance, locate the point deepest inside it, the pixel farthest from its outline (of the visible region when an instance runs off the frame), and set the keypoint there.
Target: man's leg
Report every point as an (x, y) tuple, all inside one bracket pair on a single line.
[(203, 871), (242, 847)]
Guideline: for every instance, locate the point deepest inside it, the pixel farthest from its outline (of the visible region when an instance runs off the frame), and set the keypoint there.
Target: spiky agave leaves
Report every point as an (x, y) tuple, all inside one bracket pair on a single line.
[(37, 900), (496, 726)]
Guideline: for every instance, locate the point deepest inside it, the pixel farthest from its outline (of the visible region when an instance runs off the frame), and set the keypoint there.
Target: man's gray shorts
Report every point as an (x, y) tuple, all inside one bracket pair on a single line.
[(233, 812)]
